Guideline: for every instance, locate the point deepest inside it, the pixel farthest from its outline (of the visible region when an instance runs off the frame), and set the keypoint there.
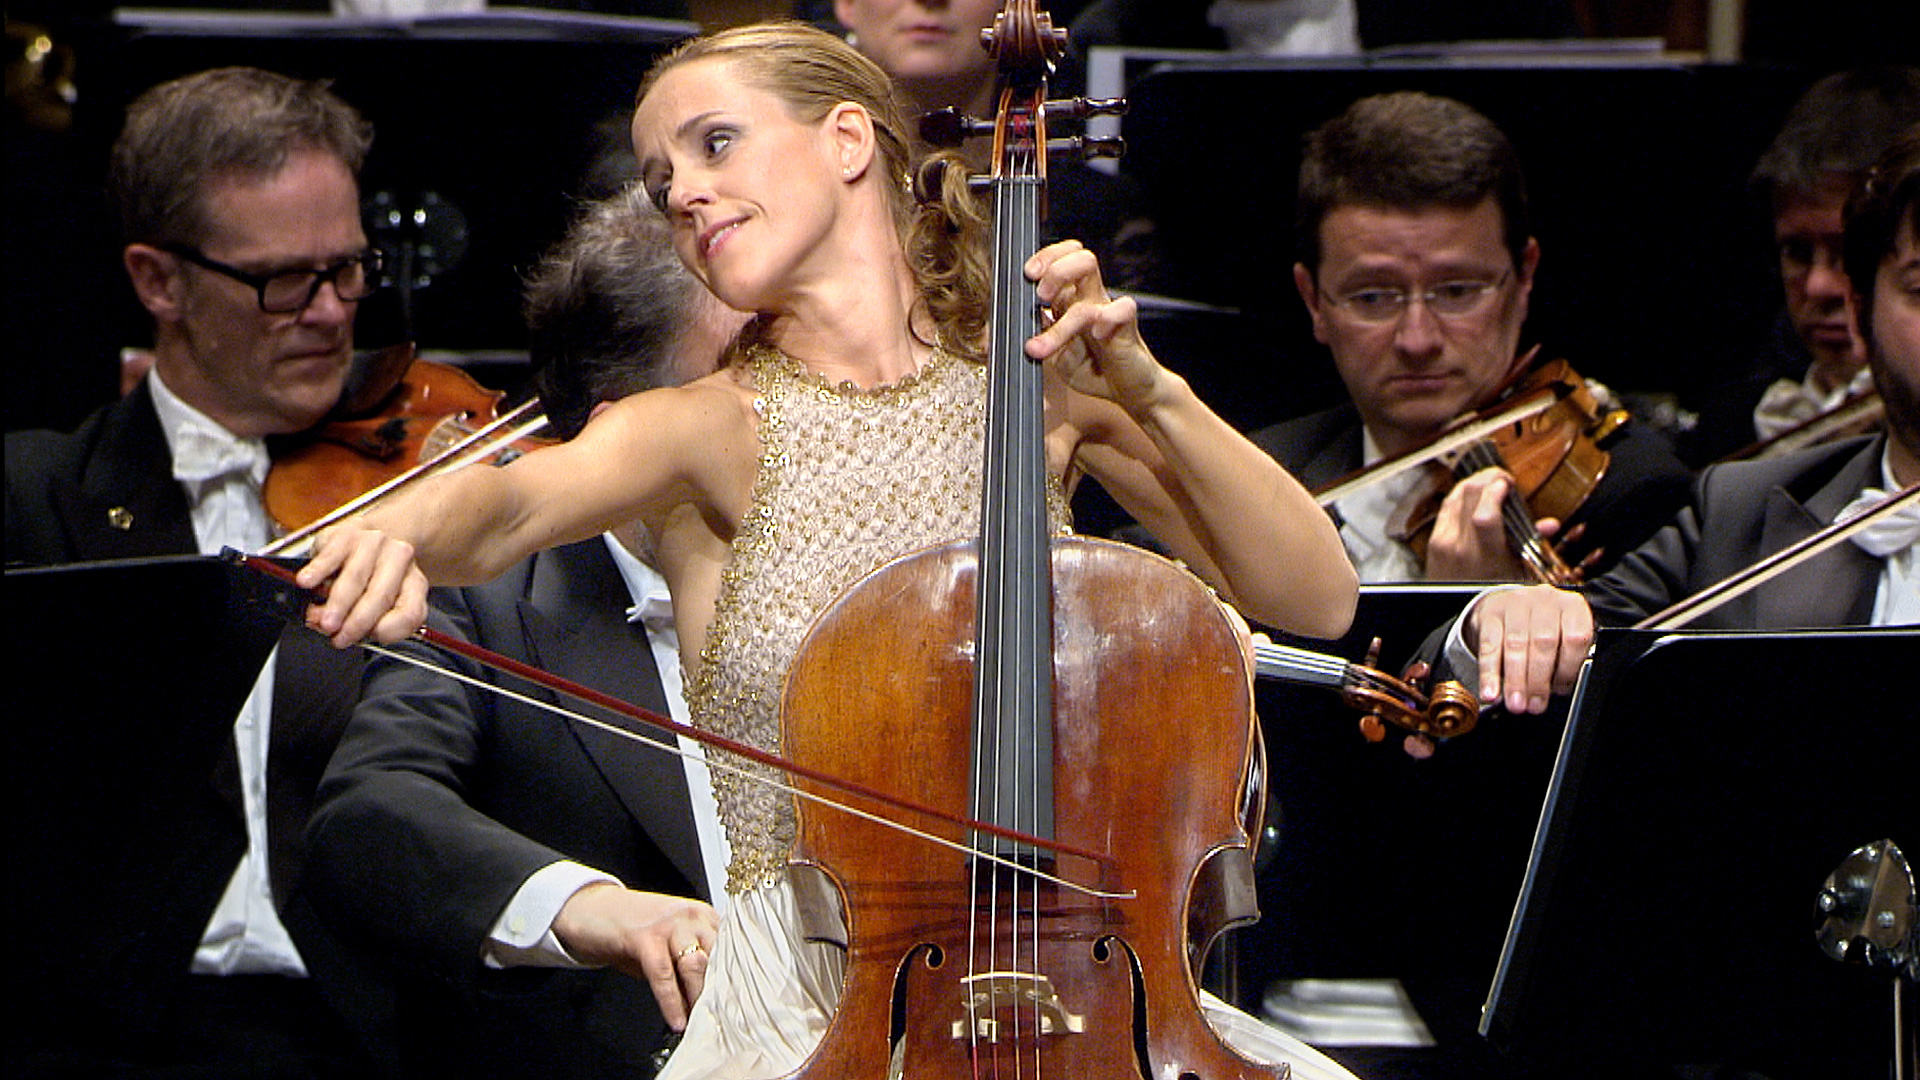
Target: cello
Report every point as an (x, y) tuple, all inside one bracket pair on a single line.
[(1100, 700)]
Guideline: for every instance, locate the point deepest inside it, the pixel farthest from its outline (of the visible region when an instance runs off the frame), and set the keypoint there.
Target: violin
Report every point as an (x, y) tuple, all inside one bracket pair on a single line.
[(1551, 447), (398, 414)]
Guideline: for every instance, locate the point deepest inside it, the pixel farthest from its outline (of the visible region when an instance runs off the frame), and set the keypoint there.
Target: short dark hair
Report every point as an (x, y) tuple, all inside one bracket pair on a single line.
[(1409, 151), (1837, 128), (606, 308), (1888, 195), (234, 121)]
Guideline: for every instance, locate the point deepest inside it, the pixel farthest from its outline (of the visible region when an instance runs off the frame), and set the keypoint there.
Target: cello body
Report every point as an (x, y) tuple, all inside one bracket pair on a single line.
[(1091, 703), (1153, 738)]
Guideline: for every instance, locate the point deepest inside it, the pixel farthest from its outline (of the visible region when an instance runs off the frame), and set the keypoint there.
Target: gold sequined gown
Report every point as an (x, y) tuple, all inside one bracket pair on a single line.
[(849, 480)]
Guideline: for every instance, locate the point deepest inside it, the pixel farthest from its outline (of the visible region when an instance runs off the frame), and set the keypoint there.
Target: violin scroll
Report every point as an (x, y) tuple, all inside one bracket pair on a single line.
[(1439, 712)]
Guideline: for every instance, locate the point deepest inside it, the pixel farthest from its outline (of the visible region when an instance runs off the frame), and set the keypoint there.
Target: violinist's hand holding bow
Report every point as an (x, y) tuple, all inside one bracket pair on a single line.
[(372, 586), (1469, 541), (1530, 644), (663, 940)]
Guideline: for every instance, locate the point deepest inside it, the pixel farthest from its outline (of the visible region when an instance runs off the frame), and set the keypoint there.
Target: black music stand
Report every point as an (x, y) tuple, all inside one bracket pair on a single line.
[(126, 679), (1707, 785), (1380, 866)]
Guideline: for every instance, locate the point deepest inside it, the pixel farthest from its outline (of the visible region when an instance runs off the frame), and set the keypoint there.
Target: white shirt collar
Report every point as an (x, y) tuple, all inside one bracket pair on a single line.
[(201, 449)]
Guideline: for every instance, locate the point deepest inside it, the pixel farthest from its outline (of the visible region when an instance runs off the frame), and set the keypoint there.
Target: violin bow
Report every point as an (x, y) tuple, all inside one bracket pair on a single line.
[(1774, 565), (468, 449), (536, 676), (1856, 411), (1527, 406)]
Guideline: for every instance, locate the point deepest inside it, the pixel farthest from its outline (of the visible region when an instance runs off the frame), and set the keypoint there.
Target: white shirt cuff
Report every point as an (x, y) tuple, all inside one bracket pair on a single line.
[(523, 935)]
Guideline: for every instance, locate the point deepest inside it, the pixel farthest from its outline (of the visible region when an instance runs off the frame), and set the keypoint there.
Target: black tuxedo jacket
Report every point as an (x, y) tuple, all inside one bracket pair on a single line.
[(1742, 512), (1644, 483), (106, 491), (444, 798)]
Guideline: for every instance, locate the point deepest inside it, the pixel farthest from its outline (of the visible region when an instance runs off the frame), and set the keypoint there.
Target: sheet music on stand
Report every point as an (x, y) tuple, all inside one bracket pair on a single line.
[(127, 678), (1706, 786)]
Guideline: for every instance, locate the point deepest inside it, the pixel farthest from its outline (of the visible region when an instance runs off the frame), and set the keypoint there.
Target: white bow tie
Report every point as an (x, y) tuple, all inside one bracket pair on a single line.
[(200, 456), (1894, 532)]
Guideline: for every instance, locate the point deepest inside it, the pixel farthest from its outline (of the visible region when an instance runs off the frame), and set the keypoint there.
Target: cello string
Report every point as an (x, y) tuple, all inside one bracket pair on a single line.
[(724, 766), (1036, 624)]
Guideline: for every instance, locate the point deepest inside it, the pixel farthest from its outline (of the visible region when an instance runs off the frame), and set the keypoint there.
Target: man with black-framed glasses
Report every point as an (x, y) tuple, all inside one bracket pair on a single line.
[(241, 209), (1416, 265)]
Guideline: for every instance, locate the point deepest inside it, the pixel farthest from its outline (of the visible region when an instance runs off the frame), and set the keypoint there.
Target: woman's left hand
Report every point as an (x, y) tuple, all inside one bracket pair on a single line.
[(1092, 340)]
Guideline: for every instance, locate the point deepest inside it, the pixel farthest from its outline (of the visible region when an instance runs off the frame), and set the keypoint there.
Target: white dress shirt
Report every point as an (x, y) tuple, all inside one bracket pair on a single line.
[(1895, 539), (1364, 516), (1788, 403), (222, 475)]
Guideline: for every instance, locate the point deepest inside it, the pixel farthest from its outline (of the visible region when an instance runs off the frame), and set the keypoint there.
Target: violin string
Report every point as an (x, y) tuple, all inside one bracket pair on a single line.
[(1525, 536), (714, 762), (1037, 622), (481, 453)]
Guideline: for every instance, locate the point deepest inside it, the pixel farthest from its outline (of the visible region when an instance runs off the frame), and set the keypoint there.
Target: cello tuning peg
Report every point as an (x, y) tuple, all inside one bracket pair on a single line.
[(930, 181), (1080, 108), (1083, 147), (1371, 728), (948, 127)]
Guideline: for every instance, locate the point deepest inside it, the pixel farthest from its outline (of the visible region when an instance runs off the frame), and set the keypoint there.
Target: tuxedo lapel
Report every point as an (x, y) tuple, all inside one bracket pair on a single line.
[(1836, 587), (574, 621), (127, 504)]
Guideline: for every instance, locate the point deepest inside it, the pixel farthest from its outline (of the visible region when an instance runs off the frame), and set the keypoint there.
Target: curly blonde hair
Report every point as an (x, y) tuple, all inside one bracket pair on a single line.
[(812, 71)]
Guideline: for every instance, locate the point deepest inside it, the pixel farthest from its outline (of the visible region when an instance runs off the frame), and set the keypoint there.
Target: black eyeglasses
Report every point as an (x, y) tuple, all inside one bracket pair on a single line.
[(284, 292)]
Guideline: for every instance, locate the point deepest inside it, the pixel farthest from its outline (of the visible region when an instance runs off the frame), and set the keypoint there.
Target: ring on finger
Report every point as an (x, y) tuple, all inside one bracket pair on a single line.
[(689, 950)]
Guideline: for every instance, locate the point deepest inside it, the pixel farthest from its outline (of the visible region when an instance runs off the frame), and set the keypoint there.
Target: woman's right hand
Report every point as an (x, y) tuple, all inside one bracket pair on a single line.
[(371, 586)]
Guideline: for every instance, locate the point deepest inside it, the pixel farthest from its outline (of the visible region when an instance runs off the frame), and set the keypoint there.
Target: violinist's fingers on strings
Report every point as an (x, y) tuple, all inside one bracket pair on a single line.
[(1469, 538)]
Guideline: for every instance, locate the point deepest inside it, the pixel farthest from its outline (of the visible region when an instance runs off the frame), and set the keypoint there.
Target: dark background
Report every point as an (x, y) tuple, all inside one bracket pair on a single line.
[(1656, 274), (1656, 270), (512, 126)]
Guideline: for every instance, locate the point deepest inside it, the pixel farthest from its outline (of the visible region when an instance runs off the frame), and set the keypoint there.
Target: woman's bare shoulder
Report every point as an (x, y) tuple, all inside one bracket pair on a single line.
[(713, 406)]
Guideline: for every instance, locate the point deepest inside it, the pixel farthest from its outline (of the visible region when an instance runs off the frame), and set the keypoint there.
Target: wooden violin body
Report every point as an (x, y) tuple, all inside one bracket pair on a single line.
[(1555, 458), (1153, 737), (408, 413)]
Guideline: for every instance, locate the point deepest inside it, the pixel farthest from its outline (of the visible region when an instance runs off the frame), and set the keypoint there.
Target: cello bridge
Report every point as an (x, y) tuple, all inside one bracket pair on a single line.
[(990, 993)]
